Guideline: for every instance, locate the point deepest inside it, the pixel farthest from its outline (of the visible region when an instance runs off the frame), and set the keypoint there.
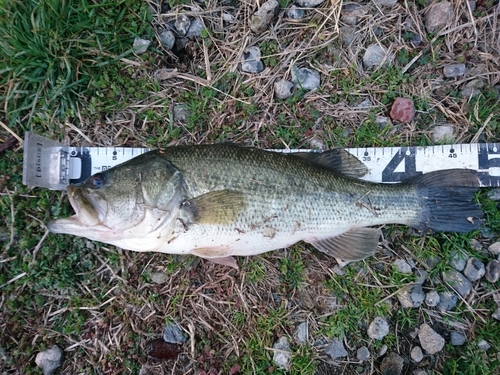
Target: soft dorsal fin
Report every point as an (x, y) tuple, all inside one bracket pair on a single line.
[(337, 160), (216, 207), (356, 244)]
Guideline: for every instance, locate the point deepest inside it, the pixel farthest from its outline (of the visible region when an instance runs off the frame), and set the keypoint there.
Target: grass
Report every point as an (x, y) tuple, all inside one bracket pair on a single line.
[(67, 69)]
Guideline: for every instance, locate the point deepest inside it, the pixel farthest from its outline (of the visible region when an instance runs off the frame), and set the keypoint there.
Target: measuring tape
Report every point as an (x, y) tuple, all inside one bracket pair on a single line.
[(49, 164)]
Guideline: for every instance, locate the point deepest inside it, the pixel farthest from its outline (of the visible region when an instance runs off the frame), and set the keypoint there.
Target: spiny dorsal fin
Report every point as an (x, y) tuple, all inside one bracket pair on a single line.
[(216, 207), (356, 244), (337, 160)]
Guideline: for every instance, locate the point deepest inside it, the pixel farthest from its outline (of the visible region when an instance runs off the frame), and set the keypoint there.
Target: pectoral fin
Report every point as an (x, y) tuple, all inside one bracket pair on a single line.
[(216, 207), (356, 244), (219, 255)]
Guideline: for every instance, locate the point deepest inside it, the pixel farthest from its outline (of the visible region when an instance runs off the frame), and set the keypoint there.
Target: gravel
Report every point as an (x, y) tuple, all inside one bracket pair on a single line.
[(262, 18), (305, 78), (474, 270), (335, 349), (493, 271), (402, 266), (431, 341), (301, 332), (447, 301), (378, 328), (411, 296), (458, 260), (454, 70), (416, 354), (457, 338), (432, 298), (50, 360), (458, 282), (392, 364), (374, 56), (282, 355), (362, 354), (438, 15), (283, 89)]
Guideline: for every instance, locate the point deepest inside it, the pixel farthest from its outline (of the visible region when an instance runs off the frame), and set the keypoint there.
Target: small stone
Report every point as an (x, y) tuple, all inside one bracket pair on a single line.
[(494, 248), (493, 271), (282, 355), (483, 345), (457, 338), (430, 340), (158, 277), (283, 89), (447, 301), (474, 269), (140, 46), (50, 359), (454, 70), (476, 246), (416, 40), (419, 371), (181, 43), (378, 329), (403, 110), (262, 18), (336, 350), (181, 113), (392, 364), (443, 133), (432, 299), (416, 354), (458, 282), (438, 15), (402, 266), (182, 24), (305, 78), (309, 3), (195, 29), (494, 195), (374, 56), (411, 296), (347, 34), (386, 3), (173, 334), (362, 354), (251, 62), (496, 314), (382, 350), (352, 12), (295, 13), (471, 88), (301, 332), (167, 39), (458, 260), (421, 276)]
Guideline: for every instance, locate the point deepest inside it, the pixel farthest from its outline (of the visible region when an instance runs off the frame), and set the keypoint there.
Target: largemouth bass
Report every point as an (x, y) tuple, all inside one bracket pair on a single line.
[(220, 201)]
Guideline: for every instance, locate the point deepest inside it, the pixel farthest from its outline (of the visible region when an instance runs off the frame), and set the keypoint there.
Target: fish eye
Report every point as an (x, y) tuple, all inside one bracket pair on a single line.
[(97, 181)]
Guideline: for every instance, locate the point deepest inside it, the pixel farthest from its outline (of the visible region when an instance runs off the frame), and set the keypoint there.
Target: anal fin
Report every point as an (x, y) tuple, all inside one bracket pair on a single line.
[(355, 244)]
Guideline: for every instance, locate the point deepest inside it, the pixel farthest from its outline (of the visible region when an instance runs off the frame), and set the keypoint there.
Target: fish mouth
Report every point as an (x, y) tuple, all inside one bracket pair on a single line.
[(87, 214)]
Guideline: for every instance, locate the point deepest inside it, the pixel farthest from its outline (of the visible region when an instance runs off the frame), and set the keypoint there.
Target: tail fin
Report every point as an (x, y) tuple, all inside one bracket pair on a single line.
[(448, 200)]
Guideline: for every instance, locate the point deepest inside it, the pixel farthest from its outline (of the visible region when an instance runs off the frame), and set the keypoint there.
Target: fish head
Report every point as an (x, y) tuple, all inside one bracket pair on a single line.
[(131, 199)]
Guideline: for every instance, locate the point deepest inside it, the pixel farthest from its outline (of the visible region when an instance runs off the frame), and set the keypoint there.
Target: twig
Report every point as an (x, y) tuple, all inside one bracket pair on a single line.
[(19, 139)]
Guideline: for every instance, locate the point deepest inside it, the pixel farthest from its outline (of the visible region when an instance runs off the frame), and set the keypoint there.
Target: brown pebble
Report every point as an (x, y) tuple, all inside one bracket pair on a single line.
[(161, 350), (403, 110)]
